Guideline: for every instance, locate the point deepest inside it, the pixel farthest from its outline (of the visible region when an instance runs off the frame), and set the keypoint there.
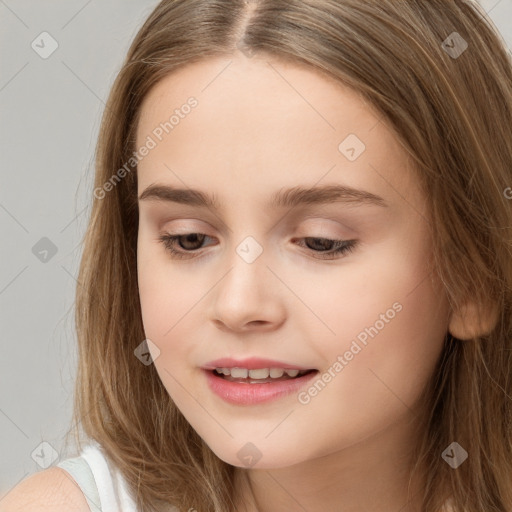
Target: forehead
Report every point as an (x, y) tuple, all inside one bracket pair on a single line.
[(265, 121), (265, 89)]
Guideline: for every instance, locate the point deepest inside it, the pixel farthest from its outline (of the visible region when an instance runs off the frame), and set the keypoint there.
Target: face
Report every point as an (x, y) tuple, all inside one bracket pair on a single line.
[(260, 280)]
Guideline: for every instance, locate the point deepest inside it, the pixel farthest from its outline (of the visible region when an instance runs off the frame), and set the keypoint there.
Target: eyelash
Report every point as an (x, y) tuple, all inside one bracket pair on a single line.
[(343, 246)]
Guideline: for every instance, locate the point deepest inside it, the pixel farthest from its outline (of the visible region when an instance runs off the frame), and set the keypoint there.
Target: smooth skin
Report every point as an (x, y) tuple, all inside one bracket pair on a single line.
[(262, 125), (50, 490)]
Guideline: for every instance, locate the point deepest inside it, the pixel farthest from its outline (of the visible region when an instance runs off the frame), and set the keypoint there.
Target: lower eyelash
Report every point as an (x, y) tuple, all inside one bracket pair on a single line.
[(169, 240), (343, 246)]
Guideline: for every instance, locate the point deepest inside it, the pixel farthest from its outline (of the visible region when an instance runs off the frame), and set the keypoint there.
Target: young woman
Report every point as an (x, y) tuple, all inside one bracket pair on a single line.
[(295, 290)]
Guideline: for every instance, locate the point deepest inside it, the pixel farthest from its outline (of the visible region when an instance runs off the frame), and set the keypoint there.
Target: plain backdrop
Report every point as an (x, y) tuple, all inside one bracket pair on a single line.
[(50, 108)]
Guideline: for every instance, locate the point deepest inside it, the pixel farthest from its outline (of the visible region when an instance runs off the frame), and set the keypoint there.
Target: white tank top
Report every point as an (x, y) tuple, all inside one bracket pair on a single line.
[(103, 485)]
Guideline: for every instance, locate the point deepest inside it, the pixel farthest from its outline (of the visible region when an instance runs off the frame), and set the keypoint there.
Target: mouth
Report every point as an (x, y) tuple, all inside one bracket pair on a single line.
[(250, 386)]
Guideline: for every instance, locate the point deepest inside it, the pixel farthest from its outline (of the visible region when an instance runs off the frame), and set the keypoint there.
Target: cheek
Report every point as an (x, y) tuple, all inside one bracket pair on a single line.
[(390, 321), (160, 290), (165, 296), (171, 297), (167, 302)]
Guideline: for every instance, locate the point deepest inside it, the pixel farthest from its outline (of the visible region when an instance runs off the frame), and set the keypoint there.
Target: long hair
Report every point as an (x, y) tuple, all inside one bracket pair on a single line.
[(439, 74)]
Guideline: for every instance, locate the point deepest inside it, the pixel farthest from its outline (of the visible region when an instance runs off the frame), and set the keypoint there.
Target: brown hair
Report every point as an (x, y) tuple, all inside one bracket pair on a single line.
[(452, 113)]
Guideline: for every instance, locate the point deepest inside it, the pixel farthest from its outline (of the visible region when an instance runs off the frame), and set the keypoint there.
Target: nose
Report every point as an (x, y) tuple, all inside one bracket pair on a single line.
[(249, 296)]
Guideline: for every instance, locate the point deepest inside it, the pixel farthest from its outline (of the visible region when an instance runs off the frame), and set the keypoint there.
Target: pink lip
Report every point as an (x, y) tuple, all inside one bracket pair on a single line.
[(251, 363), (244, 393)]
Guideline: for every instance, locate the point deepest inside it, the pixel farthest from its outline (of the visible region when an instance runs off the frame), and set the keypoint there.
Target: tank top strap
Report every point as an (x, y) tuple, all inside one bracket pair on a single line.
[(101, 483), (81, 473), (103, 475)]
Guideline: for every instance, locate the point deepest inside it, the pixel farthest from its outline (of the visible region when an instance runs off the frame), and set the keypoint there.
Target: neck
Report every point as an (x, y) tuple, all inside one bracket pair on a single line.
[(371, 475)]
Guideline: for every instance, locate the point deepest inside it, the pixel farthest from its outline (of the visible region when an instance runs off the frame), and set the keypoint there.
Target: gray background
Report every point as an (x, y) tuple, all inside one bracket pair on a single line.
[(50, 112)]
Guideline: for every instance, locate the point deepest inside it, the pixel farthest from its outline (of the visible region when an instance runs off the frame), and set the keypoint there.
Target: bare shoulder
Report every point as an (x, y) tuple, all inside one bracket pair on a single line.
[(52, 489)]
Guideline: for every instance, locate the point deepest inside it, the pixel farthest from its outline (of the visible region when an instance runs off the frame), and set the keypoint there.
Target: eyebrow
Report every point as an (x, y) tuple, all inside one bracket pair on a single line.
[(287, 198)]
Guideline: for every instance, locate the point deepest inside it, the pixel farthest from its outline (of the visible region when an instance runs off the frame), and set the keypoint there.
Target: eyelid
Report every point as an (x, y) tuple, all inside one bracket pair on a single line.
[(199, 226), (308, 223), (318, 225)]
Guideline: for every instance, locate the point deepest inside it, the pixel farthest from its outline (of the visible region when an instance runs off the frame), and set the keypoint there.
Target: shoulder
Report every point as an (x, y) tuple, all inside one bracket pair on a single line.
[(51, 489)]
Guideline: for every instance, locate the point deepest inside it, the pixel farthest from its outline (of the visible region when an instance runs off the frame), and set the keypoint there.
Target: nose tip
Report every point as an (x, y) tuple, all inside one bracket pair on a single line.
[(246, 297)]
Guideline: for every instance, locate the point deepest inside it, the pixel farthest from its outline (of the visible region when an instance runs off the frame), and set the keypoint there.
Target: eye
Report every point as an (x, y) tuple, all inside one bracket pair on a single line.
[(334, 247), (191, 242)]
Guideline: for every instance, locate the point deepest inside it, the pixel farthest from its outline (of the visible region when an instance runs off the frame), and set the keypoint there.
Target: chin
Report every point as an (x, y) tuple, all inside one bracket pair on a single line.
[(264, 455)]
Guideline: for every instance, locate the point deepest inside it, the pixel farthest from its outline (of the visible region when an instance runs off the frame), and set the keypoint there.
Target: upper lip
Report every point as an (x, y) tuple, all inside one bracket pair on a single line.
[(251, 363)]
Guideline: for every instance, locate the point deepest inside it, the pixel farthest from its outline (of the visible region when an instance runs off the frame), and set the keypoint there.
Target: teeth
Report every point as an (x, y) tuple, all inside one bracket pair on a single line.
[(260, 373), (263, 373), (275, 373), (239, 373)]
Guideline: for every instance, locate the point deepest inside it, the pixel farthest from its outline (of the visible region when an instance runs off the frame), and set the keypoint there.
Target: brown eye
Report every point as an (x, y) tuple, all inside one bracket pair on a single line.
[(187, 243), (328, 249), (322, 244), (190, 241)]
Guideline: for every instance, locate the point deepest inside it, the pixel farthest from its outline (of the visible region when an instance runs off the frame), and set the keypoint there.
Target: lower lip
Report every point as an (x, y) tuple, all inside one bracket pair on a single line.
[(243, 393)]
